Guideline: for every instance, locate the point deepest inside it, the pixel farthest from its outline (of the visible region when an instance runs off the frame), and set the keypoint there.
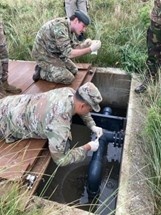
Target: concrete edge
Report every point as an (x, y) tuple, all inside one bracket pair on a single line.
[(125, 164), (133, 194)]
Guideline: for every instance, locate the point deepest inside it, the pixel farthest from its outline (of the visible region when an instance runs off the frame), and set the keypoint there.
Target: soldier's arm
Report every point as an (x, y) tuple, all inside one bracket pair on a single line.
[(79, 52), (88, 120), (74, 155), (63, 42), (57, 138)]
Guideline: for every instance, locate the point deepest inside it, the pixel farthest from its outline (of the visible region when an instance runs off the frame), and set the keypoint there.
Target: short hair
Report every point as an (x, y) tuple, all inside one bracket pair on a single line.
[(72, 17)]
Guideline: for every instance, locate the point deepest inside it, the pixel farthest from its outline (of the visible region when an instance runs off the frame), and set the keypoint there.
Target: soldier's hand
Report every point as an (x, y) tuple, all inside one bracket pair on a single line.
[(97, 130), (94, 145), (96, 44), (86, 43)]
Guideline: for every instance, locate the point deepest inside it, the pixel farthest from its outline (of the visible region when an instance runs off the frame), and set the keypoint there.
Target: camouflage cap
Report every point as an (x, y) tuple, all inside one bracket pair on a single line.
[(91, 95), (82, 17)]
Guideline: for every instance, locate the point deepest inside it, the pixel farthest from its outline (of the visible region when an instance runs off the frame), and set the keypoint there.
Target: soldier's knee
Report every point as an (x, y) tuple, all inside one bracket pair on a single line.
[(57, 75), (66, 79), (70, 65)]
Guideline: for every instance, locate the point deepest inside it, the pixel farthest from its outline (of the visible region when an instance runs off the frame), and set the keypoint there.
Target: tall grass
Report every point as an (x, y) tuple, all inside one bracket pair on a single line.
[(11, 201), (152, 140), (121, 26)]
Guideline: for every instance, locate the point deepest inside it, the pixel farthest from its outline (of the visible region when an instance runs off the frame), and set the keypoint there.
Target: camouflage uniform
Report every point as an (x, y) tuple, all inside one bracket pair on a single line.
[(51, 49), (154, 39), (154, 46), (3, 55), (4, 86), (72, 5), (47, 116)]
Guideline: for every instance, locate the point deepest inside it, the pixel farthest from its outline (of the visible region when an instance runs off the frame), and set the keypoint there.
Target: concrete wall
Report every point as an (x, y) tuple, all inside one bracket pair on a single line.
[(114, 86), (134, 194)]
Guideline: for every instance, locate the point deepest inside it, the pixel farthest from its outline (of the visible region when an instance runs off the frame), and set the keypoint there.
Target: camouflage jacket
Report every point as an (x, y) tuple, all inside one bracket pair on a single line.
[(156, 12), (54, 39), (46, 116)]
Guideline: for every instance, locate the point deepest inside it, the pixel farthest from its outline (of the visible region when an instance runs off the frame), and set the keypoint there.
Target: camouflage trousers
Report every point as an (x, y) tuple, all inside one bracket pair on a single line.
[(3, 55), (57, 70), (3, 70), (154, 49), (72, 5)]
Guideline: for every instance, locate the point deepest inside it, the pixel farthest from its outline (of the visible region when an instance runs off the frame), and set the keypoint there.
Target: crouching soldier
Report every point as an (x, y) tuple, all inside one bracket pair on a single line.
[(56, 44)]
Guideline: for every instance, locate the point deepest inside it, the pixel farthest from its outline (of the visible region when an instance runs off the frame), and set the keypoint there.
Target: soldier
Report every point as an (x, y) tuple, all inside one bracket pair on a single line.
[(154, 47), (48, 116), (4, 86), (72, 5), (55, 45)]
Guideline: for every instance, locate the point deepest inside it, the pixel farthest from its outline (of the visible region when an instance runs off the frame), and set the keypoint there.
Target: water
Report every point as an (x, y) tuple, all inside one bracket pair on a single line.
[(75, 190), (69, 187)]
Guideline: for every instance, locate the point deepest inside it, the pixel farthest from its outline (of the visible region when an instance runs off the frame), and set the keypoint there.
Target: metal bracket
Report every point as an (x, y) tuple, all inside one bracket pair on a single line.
[(30, 179)]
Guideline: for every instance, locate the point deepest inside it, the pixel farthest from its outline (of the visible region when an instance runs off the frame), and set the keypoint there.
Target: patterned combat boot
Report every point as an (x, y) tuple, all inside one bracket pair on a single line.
[(2, 91), (6, 86), (150, 77), (142, 87), (10, 88), (36, 75)]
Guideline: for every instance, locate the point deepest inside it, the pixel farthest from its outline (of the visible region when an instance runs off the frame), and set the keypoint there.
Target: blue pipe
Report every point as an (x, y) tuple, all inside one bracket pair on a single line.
[(95, 168)]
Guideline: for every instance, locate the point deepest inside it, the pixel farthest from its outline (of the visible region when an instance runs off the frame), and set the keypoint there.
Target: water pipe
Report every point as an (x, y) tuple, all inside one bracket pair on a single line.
[(95, 168)]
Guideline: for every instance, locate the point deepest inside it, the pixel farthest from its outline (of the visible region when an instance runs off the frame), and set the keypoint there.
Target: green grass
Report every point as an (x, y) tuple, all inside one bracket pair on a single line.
[(152, 139), (122, 35), (11, 201)]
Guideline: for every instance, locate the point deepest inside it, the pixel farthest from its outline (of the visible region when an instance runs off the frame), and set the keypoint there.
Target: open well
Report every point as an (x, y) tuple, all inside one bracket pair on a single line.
[(70, 185), (95, 180)]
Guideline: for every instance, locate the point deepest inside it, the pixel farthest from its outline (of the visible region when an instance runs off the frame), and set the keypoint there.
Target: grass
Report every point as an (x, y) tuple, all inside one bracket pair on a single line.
[(121, 26), (11, 201), (122, 36), (152, 139)]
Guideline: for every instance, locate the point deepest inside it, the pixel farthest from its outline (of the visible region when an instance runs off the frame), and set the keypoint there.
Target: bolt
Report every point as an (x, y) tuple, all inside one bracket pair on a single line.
[(90, 72)]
